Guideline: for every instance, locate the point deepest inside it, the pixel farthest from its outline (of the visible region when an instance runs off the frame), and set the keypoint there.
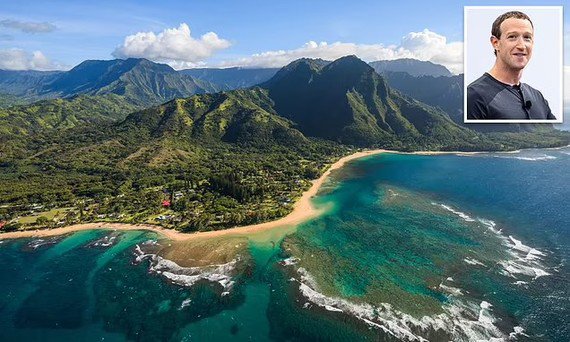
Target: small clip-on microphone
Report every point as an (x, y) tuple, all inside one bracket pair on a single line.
[(527, 104)]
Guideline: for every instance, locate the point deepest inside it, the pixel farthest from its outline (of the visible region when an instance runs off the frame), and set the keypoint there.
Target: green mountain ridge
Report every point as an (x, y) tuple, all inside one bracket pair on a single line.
[(347, 101), (140, 81), (240, 116)]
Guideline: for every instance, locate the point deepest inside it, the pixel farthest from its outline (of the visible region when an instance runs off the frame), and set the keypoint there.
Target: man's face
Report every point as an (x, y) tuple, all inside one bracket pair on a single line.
[(514, 47)]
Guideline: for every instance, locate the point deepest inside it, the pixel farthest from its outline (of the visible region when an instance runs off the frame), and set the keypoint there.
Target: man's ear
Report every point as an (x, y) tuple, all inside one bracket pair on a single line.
[(494, 42)]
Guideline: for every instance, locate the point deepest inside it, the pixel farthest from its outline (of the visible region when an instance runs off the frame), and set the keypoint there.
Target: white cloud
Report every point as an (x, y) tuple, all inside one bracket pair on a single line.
[(18, 59), (175, 45), (425, 45), (27, 26)]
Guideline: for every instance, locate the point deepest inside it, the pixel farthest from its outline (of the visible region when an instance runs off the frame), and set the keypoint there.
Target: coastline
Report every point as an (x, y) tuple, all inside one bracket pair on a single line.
[(303, 210)]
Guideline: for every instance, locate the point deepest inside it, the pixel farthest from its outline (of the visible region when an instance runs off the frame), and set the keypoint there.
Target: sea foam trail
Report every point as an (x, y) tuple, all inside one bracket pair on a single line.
[(37, 243), (104, 242), (188, 276), (524, 260), (461, 320), (530, 158)]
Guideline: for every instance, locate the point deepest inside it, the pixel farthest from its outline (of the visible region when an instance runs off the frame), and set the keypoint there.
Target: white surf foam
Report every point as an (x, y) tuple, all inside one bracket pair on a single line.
[(516, 332), (185, 303), (490, 224), (520, 282), (456, 212), (472, 261), (451, 290), (188, 276), (106, 241), (524, 260), (513, 268), (332, 308), (37, 243), (541, 157), (485, 316), (532, 252), (461, 320)]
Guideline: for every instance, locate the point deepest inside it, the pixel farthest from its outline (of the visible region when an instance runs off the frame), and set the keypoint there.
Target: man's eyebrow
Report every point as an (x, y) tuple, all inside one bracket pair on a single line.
[(519, 32)]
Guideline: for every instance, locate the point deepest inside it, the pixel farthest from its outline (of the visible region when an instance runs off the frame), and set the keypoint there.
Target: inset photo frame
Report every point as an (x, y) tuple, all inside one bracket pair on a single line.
[(518, 76)]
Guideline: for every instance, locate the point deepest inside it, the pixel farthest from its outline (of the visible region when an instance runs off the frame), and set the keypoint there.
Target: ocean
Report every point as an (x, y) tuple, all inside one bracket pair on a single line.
[(409, 247)]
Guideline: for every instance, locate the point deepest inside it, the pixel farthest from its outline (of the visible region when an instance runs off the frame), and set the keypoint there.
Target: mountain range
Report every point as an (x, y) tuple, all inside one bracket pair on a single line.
[(140, 81), (346, 101), (145, 83)]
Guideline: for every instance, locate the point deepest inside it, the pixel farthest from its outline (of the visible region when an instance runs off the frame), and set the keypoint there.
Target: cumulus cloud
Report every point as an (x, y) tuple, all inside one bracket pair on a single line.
[(28, 26), (18, 59), (425, 45), (175, 45)]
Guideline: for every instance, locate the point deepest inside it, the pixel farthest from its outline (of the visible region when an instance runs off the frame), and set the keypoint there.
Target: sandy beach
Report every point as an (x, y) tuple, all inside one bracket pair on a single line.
[(303, 210)]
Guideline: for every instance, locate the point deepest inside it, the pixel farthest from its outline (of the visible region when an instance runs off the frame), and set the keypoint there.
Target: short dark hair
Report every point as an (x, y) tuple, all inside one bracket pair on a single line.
[(496, 28)]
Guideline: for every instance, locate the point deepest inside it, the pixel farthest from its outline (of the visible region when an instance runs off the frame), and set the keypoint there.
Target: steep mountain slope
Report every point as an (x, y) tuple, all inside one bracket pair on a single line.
[(347, 101), (140, 81), (26, 82), (46, 115), (243, 116), (442, 91)]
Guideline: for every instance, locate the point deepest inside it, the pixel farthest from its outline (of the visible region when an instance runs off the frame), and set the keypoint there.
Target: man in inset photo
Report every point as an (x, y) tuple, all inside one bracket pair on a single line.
[(499, 94)]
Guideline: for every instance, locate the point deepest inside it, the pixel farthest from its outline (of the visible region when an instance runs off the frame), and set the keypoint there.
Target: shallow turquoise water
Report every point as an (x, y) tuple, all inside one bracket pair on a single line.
[(399, 228)]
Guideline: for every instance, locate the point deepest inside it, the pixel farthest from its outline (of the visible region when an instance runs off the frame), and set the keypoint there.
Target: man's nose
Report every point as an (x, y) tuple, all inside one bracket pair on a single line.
[(520, 44)]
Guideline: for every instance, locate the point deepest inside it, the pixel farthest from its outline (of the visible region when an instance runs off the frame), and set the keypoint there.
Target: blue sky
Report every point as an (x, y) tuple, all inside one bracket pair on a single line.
[(61, 34)]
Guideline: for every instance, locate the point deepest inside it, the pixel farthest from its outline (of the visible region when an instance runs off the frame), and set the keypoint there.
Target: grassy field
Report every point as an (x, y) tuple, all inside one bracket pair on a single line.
[(50, 215)]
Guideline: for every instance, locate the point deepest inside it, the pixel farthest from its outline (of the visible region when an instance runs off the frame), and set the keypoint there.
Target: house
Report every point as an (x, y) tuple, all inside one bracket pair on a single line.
[(166, 203), (2, 224)]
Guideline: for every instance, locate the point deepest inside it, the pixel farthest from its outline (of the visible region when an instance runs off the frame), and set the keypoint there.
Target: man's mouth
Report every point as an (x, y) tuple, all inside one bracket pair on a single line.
[(520, 54)]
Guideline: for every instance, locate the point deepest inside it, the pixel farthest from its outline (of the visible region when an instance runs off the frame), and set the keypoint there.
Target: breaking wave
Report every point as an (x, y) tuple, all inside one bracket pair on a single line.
[(461, 321), (105, 241), (524, 260), (527, 158), (37, 243), (188, 276)]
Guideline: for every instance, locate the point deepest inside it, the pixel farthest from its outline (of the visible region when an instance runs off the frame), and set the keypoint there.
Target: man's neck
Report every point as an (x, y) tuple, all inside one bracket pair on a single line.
[(506, 75)]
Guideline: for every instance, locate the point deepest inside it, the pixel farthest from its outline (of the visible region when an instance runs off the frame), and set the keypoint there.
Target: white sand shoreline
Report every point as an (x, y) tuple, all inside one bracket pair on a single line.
[(303, 210)]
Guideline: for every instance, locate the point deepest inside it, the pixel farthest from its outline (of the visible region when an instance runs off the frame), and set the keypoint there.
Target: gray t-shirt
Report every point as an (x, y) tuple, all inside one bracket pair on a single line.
[(491, 99)]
